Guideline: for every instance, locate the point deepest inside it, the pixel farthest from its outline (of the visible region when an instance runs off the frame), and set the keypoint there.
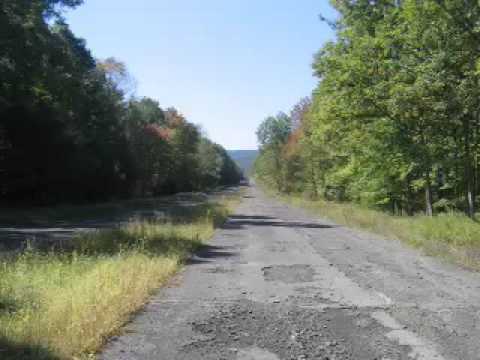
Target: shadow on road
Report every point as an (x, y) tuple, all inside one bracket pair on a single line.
[(208, 253), (240, 221), (249, 217)]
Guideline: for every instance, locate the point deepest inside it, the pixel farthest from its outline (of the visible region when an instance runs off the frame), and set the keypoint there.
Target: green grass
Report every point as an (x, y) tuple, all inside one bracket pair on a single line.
[(452, 236), (65, 304)]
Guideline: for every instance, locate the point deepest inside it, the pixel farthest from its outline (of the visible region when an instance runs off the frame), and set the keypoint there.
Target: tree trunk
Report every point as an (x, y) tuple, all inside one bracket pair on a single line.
[(278, 175), (470, 196), (469, 186), (409, 198), (428, 196), (314, 182)]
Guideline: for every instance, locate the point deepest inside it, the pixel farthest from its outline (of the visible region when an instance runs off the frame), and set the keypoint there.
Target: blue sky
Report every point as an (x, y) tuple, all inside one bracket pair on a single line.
[(225, 64)]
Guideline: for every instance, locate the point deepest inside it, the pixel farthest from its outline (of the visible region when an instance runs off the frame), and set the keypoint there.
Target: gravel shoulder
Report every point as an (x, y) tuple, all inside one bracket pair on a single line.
[(277, 283)]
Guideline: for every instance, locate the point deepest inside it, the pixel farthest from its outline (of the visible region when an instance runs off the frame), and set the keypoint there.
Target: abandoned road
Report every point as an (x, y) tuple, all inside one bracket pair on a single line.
[(277, 283)]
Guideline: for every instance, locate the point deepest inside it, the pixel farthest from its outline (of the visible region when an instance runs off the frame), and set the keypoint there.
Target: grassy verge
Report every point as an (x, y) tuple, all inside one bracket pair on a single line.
[(452, 236), (65, 213), (65, 304)]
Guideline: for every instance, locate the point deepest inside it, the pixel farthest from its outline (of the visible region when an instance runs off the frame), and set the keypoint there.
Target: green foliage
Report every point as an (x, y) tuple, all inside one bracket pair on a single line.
[(272, 134), (216, 166), (394, 121), (274, 130)]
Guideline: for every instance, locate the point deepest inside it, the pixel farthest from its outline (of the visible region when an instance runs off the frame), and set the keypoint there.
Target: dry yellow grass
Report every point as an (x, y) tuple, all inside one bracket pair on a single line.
[(67, 308), (65, 305)]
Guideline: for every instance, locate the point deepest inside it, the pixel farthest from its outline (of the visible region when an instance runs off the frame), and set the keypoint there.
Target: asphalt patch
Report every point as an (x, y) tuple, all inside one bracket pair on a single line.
[(291, 333), (289, 274)]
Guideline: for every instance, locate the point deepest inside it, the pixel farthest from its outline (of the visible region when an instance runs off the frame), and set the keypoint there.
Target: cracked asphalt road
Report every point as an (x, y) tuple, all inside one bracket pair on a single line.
[(277, 283)]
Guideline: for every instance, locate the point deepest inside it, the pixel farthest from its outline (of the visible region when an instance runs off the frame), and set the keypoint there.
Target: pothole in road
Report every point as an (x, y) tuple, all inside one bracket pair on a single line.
[(290, 332), (289, 274)]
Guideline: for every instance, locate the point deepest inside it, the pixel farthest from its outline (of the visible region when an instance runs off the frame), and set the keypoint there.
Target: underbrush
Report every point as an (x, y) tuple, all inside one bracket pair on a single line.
[(64, 304), (449, 235)]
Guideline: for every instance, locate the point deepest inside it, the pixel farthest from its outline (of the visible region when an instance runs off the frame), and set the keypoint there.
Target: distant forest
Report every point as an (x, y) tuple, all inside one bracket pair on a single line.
[(70, 129), (244, 159)]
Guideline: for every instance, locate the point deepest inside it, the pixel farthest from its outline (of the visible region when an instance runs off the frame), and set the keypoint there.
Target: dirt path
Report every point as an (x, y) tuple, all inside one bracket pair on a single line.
[(278, 284)]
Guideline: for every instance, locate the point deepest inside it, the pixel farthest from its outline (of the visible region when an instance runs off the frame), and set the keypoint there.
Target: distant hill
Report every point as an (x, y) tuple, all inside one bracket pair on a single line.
[(244, 158)]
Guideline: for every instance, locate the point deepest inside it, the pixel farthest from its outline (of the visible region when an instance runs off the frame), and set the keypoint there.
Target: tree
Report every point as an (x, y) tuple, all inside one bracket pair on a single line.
[(394, 121), (70, 126), (272, 134), (118, 75)]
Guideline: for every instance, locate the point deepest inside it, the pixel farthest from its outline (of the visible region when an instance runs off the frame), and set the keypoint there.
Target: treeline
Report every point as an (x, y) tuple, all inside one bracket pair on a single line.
[(70, 129), (394, 121)]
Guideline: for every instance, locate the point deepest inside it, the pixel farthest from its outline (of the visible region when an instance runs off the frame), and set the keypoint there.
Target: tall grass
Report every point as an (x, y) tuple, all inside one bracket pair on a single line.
[(451, 235), (65, 304)]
